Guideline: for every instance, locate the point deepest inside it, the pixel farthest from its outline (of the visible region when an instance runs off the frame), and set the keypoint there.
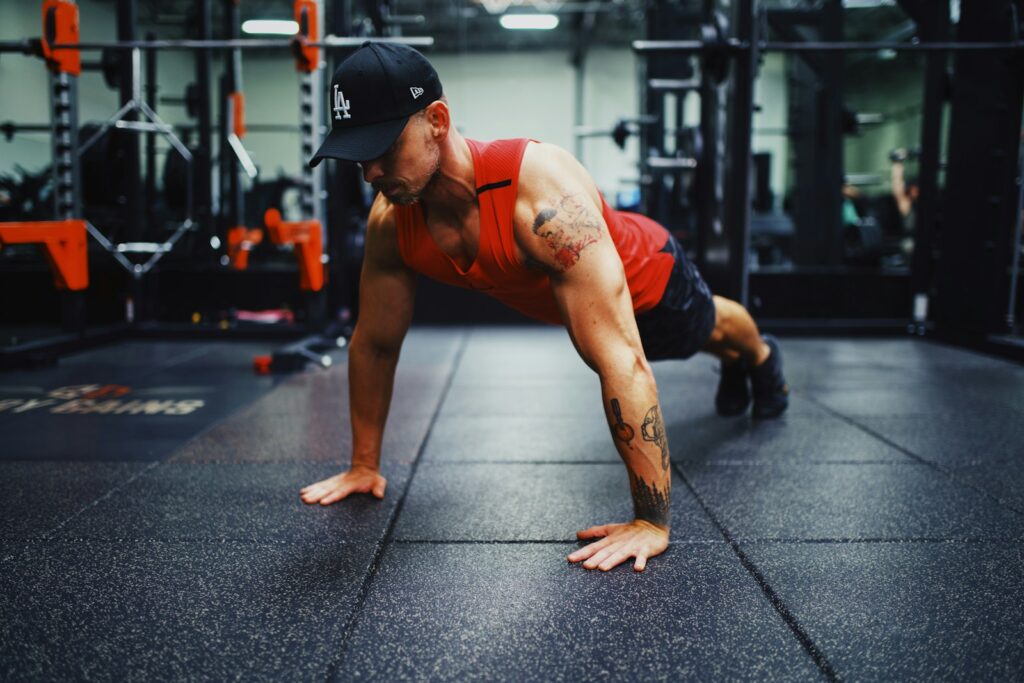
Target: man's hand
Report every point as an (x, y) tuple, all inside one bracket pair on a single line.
[(359, 479), (619, 542)]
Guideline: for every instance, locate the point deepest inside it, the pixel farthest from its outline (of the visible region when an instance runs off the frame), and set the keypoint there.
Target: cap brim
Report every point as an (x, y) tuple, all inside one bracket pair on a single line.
[(360, 143)]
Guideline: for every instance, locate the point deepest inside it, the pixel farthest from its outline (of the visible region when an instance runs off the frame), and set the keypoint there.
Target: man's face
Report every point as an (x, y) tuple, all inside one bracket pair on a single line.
[(403, 172)]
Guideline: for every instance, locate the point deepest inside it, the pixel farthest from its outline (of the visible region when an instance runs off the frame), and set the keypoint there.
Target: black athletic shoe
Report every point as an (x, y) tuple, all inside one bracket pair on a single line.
[(771, 393), (733, 395)]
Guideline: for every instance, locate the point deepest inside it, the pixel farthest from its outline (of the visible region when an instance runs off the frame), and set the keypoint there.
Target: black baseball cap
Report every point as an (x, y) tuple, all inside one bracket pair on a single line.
[(373, 93)]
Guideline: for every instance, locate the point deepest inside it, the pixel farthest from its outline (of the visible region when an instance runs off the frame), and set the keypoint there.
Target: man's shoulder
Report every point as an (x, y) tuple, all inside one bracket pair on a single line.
[(382, 216), (545, 165), (382, 234)]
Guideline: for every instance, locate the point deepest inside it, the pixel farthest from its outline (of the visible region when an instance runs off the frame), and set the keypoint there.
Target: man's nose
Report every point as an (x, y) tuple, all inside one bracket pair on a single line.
[(372, 170)]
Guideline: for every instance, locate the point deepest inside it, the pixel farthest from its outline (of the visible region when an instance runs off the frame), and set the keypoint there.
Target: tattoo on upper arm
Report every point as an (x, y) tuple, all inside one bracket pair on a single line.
[(568, 229), (622, 431), (653, 430), (649, 503)]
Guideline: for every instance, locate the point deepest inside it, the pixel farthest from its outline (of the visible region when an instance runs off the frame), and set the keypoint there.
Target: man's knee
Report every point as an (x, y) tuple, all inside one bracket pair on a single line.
[(723, 317)]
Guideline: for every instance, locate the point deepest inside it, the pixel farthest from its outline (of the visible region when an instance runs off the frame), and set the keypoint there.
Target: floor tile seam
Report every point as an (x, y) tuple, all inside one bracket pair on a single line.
[(48, 535), (364, 588), (923, 540), (793, 460), (773, 598), (455, 463), (449, 414), (567, 541), (197, 540), (449, 462), (948, 473), (256, 541)]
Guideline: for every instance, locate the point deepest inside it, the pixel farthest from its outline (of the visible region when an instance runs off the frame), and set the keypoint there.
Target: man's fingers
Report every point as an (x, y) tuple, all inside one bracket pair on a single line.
[(378, 490), (615, 559), (337, 495), (640, 564), (312, 494), (599, 557), (587, 551), (593, 532)]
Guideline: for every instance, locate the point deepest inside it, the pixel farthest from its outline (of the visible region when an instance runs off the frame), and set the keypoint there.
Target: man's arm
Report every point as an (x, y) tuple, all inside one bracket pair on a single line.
[(899, 185), (387, 291), (559, 225)]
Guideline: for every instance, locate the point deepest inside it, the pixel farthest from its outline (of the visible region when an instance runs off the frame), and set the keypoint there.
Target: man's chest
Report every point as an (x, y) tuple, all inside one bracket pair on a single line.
[(460, 237)]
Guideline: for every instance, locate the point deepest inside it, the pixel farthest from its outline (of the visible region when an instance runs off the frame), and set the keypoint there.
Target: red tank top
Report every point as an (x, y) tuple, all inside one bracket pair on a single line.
[(497, 272)]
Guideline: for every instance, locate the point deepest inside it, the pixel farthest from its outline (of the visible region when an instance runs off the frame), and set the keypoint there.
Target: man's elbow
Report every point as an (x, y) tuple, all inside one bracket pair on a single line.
[(376, 345), (627, 366)]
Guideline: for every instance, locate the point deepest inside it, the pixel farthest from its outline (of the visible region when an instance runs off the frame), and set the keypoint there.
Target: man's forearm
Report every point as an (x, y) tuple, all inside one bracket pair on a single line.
[(638, 430), (371, 378)]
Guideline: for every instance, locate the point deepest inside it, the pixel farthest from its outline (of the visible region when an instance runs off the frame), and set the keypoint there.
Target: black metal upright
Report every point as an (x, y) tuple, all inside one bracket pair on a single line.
[(232, 193), (981, 195), (816, 131), (127, 19), (202, 153), (151, 98), (933, 24), (710, 168), (737, 187)]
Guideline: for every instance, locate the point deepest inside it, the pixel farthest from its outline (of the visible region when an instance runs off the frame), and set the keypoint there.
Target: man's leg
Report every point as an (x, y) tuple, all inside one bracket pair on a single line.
[(736, 335), (744, 353)]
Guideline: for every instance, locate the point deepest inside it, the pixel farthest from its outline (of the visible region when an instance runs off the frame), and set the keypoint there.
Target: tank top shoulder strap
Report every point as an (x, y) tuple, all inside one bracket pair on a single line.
[(497, 186)]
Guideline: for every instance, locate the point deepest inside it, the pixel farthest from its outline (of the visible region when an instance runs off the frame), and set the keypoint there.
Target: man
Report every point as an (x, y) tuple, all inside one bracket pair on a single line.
[(523, 222), (906, 192)]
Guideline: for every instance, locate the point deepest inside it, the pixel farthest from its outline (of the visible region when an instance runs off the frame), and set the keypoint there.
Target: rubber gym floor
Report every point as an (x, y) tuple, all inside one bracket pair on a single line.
[(152, 529)]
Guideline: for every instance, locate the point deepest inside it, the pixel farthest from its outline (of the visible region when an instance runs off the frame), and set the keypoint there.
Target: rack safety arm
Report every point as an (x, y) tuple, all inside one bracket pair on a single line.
[(307, 55), (60, 26), (307, 239), (241, 240), (65, 245)]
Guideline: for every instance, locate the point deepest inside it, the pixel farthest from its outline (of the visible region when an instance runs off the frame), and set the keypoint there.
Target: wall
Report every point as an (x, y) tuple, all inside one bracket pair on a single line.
[(493, 95)]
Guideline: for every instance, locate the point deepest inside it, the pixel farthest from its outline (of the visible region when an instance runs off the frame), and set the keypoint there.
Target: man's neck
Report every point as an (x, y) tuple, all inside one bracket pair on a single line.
[(453, 189)]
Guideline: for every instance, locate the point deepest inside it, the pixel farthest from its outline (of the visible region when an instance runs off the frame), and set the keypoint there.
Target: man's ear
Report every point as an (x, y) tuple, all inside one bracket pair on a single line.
[(438, 118)]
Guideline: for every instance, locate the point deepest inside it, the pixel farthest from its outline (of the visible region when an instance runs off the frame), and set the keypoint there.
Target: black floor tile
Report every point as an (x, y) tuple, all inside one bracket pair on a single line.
[(150, 610), (954, 440), (905, 611), (532, 502), (416, 393), (920, 398), (575, 399), (520, 437), (1003, 480), (250, 502), (791, 438), (35, 497), (522, 613), (317, 436), (839, 501)]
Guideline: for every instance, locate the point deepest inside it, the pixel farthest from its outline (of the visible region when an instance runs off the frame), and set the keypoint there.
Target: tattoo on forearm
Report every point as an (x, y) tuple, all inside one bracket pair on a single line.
[(622, 431), (649, 503), (653, 430), (575, 229)]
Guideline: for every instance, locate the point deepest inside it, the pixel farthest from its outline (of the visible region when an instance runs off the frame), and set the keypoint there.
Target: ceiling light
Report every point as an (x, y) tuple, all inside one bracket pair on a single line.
[(867, 4), (277, 27), (544, 22)]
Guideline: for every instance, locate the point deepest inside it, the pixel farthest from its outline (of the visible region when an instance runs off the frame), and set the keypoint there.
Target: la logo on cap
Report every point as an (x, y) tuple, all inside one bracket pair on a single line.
[(341, 105), (416, 92)]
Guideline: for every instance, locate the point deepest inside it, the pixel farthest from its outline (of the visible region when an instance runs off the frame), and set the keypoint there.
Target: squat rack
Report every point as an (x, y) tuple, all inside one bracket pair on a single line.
[(742, 52), (59, 45)]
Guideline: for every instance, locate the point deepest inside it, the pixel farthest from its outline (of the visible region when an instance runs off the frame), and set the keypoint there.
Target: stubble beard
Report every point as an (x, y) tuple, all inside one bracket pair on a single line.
[(413, 195)]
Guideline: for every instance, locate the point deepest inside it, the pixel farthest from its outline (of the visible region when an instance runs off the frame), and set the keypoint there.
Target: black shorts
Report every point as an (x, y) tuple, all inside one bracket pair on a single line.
[(682, 322)]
